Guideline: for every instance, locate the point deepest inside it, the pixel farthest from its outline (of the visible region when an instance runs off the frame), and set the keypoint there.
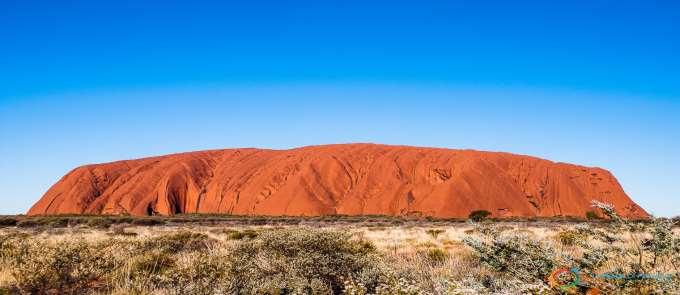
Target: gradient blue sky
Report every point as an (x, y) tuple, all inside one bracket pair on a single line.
[(589, 82)]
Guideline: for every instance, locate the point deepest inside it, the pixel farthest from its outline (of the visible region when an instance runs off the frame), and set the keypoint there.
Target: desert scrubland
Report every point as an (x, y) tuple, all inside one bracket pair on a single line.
[(77, 255)]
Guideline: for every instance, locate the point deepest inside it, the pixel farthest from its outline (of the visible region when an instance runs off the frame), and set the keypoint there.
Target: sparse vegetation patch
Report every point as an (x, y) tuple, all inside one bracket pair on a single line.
[(337, 255)]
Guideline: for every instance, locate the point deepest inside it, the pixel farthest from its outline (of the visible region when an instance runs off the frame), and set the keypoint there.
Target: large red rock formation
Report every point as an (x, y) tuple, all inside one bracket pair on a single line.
[(347, 179)]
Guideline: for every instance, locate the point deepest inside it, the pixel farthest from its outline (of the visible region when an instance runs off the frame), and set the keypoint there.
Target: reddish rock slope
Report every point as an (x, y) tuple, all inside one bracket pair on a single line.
[(336, 179)]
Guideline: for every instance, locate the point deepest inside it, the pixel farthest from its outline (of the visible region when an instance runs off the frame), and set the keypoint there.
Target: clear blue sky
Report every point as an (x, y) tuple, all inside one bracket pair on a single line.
[(589, 82)]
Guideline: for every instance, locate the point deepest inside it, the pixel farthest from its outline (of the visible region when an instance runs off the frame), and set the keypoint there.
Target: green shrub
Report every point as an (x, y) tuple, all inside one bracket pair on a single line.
[(571, 237), (56, 222), (202, 275), (119, 230), (479, 215), (437, 255), (515, 256), (65, 267), (592, 215), (151, 262), (99, 222), (258, 221), (8, 245), (240, 235), (147, 271), (147, 221), (627, 249), (44, 221), (434, 233), (27, 223), (7, 221), (300, 261), (653, 246)]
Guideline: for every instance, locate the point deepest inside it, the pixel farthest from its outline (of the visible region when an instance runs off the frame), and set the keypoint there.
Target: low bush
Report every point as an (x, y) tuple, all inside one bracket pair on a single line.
[(46, 221), (27, 223), (300, 261), (119, 230), (625, 257), (202, 274), (99, 222), (479, 215), (571, 237), (434, 233), (516, 256), (150, 263), (147, 221), (8, 245), (240, 235), (65, 267), (6, 221), (592, 215), (437, 255)]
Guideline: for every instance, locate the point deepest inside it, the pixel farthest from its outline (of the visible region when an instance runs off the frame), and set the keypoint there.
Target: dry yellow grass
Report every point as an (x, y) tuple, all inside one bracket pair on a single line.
[(435, 259)]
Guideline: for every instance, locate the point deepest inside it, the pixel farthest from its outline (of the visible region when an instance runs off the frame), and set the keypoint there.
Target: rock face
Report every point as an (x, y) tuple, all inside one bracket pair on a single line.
[(351, 179)]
